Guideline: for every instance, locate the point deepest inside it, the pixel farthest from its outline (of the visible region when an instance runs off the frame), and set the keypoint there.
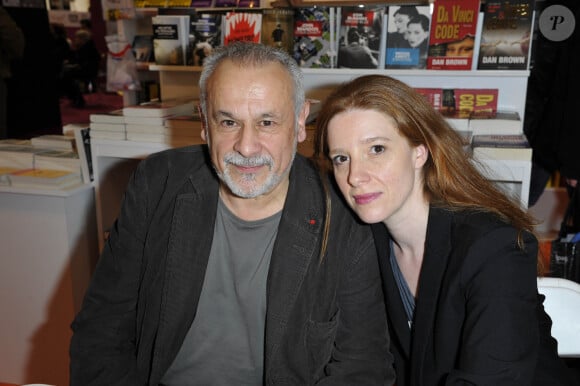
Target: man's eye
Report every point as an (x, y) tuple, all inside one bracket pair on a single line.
[(267, 123), (339, 159), (377, 149)]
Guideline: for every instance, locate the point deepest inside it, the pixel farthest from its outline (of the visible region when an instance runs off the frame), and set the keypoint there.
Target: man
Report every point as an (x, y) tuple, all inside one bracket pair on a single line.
[(225, 266)]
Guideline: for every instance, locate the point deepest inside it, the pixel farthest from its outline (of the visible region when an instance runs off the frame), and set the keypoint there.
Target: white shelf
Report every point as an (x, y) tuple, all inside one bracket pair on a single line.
[(49, 249)]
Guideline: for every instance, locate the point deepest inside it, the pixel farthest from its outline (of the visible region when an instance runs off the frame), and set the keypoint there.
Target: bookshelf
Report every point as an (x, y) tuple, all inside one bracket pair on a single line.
[(113, 161)]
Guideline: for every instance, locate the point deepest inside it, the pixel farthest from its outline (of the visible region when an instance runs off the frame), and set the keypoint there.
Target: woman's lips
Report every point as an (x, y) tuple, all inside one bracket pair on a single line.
[(362, 199)]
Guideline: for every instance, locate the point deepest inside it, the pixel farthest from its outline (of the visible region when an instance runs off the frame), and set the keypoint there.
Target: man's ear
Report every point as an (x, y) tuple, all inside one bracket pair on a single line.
[(302, 121), (203, 123)]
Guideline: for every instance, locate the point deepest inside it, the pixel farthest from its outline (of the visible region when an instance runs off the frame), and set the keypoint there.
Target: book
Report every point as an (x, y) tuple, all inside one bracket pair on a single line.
[(104, 126), (500, 122), (501, 147), (452, 35), (111, 135), (19, 157), (44, 179), (67, 160), (137, 120), (278, 28), (359, 37), (113, 116), (53, 141), (499, 140), (313, 27), (206, 34), (170, 39), (143, 48), (83, 145), (461, 102), (407, 40), (118, 9), (161, 108), (506, 34), (242, 25)]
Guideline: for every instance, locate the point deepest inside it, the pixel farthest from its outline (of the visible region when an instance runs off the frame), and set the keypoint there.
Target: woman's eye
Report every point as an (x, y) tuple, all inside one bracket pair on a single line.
[(339, 159), (377, 149)]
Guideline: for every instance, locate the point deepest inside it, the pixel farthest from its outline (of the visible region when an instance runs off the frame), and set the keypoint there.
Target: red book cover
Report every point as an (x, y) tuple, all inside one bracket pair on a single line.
[(461, 102), (246, 26), (452, 35)]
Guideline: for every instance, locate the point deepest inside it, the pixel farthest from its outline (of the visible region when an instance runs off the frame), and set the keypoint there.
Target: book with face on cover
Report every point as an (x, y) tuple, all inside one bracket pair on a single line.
[(452, 35), (407, 40)]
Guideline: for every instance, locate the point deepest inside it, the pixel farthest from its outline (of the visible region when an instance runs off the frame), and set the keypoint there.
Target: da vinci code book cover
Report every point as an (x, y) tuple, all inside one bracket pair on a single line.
[(452, 36)]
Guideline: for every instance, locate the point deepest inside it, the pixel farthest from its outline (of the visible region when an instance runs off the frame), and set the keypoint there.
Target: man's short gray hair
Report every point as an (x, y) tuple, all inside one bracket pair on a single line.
[(247, 53)]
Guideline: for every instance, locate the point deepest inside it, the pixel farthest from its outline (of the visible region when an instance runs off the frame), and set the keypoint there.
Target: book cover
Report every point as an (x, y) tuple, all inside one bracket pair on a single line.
[(242, 25), (312, 37), (359, 37), (500, 122), (118, 9), (499, 140), (407, 41), (170, 39), (143, 48), (461, 102), (177, 106), (452, 34), (278, 28), (206, 32), (506, 34), (83, 145)]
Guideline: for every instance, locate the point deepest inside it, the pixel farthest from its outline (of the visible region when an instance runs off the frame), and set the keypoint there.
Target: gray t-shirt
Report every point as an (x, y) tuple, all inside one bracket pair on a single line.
[(225, 344)]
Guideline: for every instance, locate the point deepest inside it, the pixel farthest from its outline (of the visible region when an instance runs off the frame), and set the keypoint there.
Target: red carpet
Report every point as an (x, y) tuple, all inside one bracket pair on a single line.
[(95, 103)]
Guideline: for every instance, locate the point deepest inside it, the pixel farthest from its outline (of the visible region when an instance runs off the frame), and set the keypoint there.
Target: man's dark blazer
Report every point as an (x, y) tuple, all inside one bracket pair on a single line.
[(478, 317), (325, 320)]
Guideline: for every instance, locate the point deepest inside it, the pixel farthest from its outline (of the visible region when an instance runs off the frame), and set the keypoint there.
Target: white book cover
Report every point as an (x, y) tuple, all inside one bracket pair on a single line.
[(170, 39), (407, 40)]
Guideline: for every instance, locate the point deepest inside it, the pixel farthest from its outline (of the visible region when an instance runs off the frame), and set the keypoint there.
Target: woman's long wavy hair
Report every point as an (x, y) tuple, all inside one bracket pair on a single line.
[(451, 178)]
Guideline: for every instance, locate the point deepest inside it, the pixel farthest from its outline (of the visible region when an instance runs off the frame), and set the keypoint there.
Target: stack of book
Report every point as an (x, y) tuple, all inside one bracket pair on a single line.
[(54, 141), (157, 121), (108, 125)]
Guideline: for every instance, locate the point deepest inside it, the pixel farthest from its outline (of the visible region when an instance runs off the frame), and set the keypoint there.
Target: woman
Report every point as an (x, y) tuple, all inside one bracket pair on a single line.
[(458, 257)]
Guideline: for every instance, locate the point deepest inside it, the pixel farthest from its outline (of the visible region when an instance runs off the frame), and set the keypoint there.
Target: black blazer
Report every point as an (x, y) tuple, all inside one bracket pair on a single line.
[(478, 319), (325, 320)]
